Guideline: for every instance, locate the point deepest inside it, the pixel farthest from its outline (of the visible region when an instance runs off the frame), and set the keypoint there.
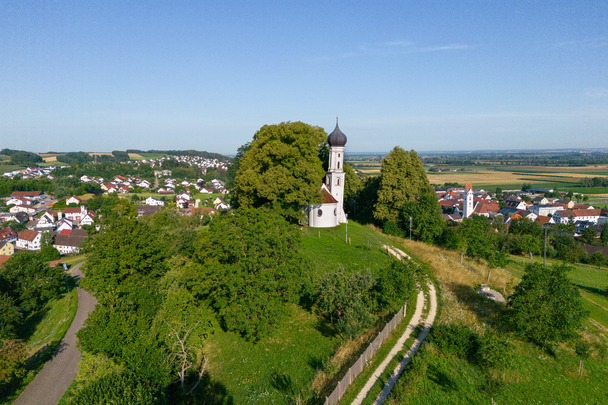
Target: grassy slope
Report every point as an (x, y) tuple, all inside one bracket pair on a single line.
[(536, 376), (282, 367), (48, 327)]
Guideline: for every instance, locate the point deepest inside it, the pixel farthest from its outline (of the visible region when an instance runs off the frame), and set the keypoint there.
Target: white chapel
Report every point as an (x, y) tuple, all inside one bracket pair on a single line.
[(330, 212)]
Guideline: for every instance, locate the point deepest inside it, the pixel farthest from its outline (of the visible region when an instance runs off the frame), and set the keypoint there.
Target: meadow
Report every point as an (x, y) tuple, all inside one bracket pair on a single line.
[(536, 375), (305, 357)]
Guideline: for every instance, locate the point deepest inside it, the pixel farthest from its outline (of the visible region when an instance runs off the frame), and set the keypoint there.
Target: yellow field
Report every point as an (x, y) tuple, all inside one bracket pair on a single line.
[(136, 156), (100, 153), (49, 158)]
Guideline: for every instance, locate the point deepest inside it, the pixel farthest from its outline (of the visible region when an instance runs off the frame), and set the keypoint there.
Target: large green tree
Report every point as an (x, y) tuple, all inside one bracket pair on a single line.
[(427, 223), (545, 305), (250, 269), (282, 169), (402, 178)]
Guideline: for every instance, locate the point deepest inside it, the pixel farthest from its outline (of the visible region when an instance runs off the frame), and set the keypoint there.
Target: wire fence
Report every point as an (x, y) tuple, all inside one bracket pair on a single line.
[(356, 368)]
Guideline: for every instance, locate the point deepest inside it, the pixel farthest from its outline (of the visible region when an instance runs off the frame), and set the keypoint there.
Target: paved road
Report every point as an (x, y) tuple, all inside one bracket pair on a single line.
[(57, 374)]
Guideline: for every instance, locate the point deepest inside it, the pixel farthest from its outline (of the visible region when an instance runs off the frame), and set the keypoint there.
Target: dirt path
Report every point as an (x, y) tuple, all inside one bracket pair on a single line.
[(57, 374), (414, 322), (401, 366)]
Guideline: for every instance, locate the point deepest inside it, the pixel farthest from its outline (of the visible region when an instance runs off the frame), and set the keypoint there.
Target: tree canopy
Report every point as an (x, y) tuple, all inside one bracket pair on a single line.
[(545, 305), (282, 169), (402, 177), (250, 268)]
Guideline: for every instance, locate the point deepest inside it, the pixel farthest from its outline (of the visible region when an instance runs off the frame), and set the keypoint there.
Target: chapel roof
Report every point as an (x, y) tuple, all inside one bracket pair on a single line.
[(336, 138)]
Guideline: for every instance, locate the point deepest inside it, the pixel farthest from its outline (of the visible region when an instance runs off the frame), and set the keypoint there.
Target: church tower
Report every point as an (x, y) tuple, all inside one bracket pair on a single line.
[(468, 201), (335, 173)]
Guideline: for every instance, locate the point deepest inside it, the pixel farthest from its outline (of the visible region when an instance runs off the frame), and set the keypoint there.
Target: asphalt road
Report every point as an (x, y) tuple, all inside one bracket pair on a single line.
[(57, 374)]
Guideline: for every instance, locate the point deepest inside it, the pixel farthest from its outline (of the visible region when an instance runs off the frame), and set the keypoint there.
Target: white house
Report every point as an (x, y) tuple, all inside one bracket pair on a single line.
[(75, 213), (28, 240), (28, 209), (88, 219), (330, 212), (73, 200), (47, 220), (64, 224), (564, 217), (546, 209), (154, 202)]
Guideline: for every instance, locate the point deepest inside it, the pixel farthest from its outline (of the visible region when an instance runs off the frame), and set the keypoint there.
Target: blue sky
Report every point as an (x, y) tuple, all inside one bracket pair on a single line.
[(425, 75)]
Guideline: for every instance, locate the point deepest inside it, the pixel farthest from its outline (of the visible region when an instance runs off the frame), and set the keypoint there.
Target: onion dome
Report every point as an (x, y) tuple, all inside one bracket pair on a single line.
[(336, 138)]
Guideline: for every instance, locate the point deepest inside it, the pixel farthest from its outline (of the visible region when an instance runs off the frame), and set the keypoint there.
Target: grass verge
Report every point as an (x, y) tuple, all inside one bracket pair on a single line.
[(48, 327)]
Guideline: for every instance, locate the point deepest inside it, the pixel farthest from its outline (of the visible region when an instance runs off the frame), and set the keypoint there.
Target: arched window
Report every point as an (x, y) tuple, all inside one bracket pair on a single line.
[(319, 213), (338, 155), (338, 165), (338, 182)]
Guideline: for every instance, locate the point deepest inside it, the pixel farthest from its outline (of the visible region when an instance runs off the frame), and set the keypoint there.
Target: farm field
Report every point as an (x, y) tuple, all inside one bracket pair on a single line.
[(151, 155), (10, 168), (135, 156), (491, 176)]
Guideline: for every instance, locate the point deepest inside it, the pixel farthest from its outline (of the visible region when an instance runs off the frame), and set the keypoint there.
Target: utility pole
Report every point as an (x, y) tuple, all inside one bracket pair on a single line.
[(410, 229), (545, 256), (346, 238)]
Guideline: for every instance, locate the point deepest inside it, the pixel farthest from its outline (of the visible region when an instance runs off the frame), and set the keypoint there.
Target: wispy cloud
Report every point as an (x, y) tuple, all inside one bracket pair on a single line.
[(588, 43), (598, 92), (394, 48)]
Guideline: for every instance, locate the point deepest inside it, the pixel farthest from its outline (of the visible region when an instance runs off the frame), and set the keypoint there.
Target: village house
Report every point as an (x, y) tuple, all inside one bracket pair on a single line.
[(88, 219), (7, 248), (154, 202), (64, 224), (145, 210), (28, 240), (75, 213), (8, 235), (47, 220), (69, 242), (545, 209), (18, 201), (73, 200), (574, 215), (26, 209)]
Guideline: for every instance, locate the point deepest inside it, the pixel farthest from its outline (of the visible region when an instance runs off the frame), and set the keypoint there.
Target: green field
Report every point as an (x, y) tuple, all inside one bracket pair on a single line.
[(10, 168), (151, 155)]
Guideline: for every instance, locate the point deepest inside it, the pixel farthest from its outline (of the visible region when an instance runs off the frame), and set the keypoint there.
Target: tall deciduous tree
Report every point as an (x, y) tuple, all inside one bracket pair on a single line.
[(250, 269), (427, 223), (545, 305), (402, 178), (282, 169)]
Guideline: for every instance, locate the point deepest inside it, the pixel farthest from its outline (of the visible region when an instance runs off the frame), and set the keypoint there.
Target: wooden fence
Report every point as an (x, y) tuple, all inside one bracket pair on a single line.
[(356, 368)]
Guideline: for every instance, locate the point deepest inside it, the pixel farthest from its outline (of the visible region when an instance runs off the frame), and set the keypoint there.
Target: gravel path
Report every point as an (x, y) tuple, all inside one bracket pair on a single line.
[(413, 349), (414, 322), (57, 374)]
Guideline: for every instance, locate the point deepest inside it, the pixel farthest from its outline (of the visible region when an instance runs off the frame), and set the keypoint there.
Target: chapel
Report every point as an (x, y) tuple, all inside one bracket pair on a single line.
[(330, 212)]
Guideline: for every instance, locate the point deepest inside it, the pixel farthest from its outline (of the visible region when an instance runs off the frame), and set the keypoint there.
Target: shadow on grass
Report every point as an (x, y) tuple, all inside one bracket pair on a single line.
[(593, 290), (208, 391), (326, 328), (487, 311)]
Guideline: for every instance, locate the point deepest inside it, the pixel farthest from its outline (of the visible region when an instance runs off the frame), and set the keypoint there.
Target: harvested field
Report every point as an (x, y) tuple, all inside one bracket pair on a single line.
[(136, 156)]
